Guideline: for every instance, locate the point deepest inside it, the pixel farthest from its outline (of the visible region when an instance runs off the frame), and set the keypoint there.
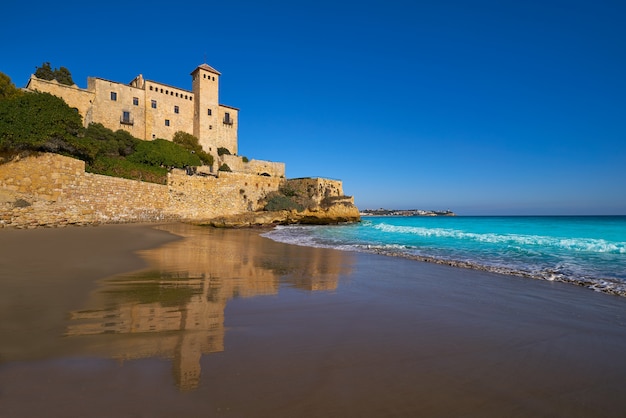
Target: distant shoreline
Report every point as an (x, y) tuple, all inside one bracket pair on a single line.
[(407, 212)]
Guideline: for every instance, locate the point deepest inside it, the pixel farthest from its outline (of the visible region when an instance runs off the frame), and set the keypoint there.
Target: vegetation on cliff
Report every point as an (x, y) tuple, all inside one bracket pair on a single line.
[(40, 122), (287, 198), (191, 143)]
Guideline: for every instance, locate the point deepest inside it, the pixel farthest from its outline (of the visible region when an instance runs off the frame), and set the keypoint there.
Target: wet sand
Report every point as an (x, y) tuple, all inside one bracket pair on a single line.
[(228, 323)]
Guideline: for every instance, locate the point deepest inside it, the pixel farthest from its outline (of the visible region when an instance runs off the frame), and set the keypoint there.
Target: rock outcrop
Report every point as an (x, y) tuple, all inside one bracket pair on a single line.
[(340, 211)]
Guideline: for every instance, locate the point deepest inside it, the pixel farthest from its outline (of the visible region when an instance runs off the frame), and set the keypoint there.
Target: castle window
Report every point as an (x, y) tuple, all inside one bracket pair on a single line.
[(113, 96), (177, 94), (126, 119), (227, 119), (167, 92), (210, 126), (167, 122), (154, 104), (209, 112), (136, 101), (161, 90), (151, 88), (175, 109), (213, 78)]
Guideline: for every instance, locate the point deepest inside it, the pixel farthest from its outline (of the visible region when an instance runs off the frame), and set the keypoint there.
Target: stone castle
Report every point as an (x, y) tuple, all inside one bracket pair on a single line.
[(52, 189), (150, 110)]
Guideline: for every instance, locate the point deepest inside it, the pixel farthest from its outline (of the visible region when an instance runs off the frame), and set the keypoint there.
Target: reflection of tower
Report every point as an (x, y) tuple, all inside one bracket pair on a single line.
[(186, 366), (202, 321)]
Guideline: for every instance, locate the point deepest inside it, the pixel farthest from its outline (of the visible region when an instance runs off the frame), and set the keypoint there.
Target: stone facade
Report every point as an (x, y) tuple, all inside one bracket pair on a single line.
[(53, 190), (150, 110)]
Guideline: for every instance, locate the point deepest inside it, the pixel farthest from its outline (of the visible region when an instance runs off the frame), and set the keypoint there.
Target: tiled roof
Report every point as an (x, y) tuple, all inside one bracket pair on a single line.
[(207, 68)]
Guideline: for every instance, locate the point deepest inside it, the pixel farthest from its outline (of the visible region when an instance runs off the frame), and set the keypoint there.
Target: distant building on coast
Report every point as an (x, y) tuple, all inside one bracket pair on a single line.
[(406, 212), (149, 109)]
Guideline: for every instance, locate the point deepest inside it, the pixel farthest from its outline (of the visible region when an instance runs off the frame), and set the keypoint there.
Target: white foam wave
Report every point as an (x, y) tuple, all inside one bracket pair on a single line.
[(567, 272), (571, 244)]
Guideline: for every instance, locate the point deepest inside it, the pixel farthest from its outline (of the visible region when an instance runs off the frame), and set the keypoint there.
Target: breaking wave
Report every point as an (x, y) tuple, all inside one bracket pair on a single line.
[(596, 263), (570, 244)]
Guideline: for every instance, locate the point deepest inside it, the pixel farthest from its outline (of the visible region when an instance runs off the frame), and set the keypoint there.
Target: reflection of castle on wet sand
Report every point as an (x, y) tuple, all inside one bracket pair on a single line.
[(176, 308)]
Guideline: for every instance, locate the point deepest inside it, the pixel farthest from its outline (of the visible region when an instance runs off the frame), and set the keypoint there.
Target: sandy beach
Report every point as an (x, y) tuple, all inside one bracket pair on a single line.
[(179, 320)]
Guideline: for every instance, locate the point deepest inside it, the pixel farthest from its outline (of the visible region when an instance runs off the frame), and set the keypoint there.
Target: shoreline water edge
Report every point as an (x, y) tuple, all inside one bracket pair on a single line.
[(585, 251)]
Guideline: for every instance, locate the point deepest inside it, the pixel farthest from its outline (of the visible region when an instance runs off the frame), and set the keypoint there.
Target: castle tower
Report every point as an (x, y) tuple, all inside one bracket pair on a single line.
[(205, 87)]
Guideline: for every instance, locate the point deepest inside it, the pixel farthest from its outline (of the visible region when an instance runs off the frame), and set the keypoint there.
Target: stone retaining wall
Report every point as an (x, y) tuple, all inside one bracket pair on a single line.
[(53, 190), (50, 189)]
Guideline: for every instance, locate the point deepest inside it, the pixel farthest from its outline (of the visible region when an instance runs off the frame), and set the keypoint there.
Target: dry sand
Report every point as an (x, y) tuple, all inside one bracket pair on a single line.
[(228, 323)]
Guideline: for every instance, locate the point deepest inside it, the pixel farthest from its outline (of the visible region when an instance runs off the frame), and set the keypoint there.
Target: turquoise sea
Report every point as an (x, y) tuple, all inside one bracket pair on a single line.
[(586, 250)]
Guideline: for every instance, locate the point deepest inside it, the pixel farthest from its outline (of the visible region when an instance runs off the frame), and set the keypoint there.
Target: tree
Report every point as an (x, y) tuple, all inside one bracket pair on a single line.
[(62, 75), (192, 143), (7, 88), (44, 72)]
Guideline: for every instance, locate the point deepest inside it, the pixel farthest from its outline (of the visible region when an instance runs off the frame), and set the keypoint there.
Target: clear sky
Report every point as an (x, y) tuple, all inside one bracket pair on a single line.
[(481, 107)]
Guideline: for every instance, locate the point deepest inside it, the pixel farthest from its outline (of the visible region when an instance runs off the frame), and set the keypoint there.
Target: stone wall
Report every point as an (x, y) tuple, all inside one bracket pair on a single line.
[(53, 190), (259, 167), (198, 198)]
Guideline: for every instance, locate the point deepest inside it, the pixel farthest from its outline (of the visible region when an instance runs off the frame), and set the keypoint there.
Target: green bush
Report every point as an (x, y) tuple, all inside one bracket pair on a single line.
[(223, 151), (109, 143), (225, 167), (288, 191), (162, 153), (245, 159), (192, 143), (40, 122), (280, 202), (121, 167)]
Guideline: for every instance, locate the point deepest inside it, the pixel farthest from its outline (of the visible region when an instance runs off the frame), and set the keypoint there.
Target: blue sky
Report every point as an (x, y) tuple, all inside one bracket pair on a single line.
[(481, 107)]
